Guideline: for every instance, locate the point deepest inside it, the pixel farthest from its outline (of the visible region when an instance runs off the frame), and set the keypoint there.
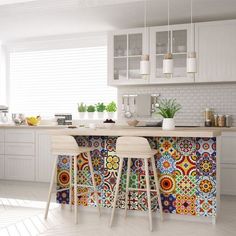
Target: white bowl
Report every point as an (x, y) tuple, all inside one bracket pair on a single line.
[(108, 125)]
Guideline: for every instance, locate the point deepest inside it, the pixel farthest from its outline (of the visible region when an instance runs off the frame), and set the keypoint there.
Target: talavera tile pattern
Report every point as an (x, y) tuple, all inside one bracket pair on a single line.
[(186, 170)]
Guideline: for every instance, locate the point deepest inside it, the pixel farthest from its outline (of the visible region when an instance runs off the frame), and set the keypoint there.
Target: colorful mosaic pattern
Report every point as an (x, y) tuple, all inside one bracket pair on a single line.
[(186, 170)]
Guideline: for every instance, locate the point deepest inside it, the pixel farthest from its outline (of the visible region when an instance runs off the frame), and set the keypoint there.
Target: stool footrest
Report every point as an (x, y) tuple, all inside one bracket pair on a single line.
[(63, 189), (84, 193), (141, 189), (84, 186)]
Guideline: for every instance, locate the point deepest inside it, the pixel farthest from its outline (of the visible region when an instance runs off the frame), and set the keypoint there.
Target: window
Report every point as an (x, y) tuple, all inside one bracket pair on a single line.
[(45, 82)]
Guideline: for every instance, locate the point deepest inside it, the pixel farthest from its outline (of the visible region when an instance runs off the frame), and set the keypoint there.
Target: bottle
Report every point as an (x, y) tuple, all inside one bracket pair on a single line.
[(216, 120), (208, 117), (221, 121), (228, 120)]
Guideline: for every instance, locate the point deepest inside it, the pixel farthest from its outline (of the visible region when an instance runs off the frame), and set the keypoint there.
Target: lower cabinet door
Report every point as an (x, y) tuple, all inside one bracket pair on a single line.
[(44, 159), (228, 179), (2, 167), (19, 167)]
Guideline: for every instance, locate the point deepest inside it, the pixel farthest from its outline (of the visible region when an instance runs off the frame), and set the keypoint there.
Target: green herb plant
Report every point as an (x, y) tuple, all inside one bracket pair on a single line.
[(82, 107), (111, 107), (168, 108), (100, 107), (91, 108)]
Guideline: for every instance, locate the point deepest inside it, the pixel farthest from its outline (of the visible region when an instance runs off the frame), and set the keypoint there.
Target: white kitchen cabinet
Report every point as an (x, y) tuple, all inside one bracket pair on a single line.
[(44, 159), (19, 167), (216, 49), (2, 134), (19, 150), (125, 48), (179, 45), (2, 167), (19, 136), (228, 163)]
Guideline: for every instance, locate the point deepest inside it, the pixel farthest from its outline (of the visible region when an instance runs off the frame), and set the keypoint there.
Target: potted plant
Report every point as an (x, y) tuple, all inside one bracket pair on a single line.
[(100, 107), (111, 108), (82, 108), (167, 109), (90, 110)]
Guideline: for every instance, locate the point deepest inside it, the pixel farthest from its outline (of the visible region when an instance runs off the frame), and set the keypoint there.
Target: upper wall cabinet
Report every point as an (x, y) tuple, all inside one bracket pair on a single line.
[(179, 45), (216, 51), (124, 54)]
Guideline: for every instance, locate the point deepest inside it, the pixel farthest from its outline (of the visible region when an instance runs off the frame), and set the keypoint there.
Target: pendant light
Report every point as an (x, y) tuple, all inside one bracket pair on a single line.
[(168, 64), (192, 56), (145, 63)]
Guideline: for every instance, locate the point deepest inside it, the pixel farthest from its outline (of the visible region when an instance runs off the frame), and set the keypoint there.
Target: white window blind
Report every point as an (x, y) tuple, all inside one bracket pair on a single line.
[(46, 82)]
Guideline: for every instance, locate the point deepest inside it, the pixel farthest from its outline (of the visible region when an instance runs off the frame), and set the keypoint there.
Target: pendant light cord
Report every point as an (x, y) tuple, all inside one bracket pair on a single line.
[(168, 26), (145, 21), (191, 24)]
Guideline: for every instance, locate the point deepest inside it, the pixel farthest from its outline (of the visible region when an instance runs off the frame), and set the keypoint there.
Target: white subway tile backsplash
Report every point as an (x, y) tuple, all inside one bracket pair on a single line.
[(193, 98)]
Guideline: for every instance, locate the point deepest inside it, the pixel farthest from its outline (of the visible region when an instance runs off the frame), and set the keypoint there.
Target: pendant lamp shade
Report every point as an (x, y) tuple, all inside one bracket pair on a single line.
[(192, 63), (145, 65), (168, 64)]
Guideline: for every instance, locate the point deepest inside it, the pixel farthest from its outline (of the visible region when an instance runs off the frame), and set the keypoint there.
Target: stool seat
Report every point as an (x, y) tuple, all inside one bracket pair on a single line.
[(68, 151), (130, 154)]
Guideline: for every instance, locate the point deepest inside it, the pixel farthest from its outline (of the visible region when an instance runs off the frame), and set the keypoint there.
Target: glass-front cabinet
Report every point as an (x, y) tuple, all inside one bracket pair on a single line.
[(125, 49), (179, 45)]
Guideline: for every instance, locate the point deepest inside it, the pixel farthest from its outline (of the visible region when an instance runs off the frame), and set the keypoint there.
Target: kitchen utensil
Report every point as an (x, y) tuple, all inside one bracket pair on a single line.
[(123, 104), (18, 118), (128, 114), (134, 105)]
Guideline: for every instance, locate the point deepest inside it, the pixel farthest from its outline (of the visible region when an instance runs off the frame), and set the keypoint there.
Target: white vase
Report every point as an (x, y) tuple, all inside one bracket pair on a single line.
[(168, 124), (82, 115), (90, 115), (100, 115), (110, 115)]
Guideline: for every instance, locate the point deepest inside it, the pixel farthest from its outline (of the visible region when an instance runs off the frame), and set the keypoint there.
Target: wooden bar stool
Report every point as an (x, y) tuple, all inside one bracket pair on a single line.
[(66, 145), (136, 147)]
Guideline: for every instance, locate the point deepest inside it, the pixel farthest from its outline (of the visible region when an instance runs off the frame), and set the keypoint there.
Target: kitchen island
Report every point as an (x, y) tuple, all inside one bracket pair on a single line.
[(187, 161)]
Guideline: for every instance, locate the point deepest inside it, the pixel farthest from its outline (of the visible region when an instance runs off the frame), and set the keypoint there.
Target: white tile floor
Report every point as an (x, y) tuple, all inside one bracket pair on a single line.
[(22, 207)]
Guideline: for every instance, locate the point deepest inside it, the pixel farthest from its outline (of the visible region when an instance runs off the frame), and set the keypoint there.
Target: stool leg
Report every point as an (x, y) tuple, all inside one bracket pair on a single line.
[(76, 189), (116, 190), (127, 185), (157, 187), (94, 183), (148, 193), (51, 187), (71, 183)]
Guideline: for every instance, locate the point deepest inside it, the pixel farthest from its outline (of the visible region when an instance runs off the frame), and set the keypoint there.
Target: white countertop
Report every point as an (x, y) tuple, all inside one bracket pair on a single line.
[(127, 131), (142, 131)]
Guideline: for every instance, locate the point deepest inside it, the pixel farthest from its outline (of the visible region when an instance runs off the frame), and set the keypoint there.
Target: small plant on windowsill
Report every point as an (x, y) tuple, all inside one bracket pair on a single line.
[(91, 109), (167, 109), (82, 108), (100, 107), (111, 108)]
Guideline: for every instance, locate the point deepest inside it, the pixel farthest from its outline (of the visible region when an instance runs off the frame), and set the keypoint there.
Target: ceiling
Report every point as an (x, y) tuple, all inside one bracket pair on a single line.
[(30, 18)]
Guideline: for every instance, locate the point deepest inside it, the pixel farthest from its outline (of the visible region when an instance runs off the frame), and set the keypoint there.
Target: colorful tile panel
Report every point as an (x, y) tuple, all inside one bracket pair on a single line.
[(186, 170)]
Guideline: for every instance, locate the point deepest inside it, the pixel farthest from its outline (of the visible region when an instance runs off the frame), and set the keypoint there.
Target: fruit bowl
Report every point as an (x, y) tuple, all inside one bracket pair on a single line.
[(132, 122), (33, 121)]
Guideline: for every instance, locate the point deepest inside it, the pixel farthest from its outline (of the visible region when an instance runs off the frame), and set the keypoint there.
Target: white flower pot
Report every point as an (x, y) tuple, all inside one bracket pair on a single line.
[(90, 115), (82, 115), (100, 115), (110, 115), (168, 124)]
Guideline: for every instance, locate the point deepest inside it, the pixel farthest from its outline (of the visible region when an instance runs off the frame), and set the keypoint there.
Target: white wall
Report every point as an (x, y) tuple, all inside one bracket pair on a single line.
[(193, 98)]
